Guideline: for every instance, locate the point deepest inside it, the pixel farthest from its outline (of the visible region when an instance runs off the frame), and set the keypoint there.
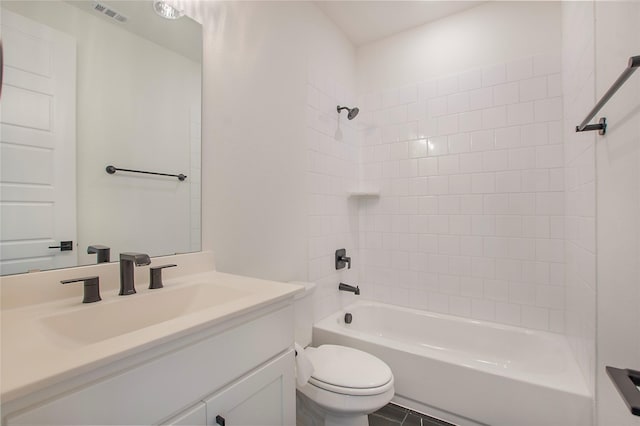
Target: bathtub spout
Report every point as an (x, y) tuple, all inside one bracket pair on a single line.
[(347, 287)]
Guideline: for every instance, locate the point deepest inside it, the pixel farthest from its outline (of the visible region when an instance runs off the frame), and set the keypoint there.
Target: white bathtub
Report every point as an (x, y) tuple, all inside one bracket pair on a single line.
[(467, 371)]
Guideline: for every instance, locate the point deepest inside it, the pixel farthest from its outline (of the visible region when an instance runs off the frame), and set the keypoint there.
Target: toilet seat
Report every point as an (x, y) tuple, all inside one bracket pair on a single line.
[(348, 371)]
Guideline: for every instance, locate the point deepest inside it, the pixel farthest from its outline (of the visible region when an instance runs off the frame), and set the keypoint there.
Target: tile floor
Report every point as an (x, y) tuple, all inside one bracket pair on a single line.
[(394, 415)]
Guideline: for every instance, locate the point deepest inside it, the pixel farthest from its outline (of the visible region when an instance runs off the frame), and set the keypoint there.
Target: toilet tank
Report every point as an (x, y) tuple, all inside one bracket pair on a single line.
[(303, 313)]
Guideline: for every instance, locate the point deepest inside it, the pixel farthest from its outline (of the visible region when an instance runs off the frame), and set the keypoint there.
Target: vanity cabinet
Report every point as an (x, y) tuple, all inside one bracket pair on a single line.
[(244, 373), (264, 397)]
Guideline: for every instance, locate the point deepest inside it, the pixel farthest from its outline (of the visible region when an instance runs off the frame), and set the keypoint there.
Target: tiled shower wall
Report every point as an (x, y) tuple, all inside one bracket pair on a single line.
[(470, 169), (332, 171)]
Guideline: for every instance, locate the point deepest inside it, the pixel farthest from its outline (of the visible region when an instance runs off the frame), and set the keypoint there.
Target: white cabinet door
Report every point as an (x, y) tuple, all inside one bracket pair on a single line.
[(194, 416), (265, 397)]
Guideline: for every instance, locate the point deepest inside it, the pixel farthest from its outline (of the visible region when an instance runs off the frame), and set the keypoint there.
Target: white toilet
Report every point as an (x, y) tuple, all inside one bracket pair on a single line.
[(346, 383)]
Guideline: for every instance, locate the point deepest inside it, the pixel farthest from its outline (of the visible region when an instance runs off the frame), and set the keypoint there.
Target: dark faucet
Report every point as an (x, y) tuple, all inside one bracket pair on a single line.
[(347, 287), (127, 260), (103, 252)]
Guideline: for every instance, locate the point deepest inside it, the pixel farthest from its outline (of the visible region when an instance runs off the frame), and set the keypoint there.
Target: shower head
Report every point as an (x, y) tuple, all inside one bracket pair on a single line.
[(353, 112)]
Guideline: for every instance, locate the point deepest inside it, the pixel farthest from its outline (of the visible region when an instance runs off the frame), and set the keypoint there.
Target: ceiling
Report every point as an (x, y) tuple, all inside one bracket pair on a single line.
[(367, 21)]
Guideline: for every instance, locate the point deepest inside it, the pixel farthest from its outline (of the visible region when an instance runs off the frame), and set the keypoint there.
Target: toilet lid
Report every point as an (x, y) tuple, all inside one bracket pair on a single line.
[(339, 366)]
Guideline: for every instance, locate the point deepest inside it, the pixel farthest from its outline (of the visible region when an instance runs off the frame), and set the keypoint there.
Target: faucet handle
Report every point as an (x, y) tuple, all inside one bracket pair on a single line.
[(91, 288), (341, 259), (155, 276)]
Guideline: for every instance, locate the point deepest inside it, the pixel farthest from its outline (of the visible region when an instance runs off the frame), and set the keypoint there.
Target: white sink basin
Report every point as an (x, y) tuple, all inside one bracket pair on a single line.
[(100, 321)]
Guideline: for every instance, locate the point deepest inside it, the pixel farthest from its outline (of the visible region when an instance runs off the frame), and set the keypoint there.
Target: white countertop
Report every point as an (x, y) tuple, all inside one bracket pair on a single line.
[(35, 356)]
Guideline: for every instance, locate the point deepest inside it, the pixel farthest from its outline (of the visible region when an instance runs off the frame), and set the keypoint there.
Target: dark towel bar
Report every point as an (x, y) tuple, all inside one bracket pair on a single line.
[(111, 170), (634, 62)]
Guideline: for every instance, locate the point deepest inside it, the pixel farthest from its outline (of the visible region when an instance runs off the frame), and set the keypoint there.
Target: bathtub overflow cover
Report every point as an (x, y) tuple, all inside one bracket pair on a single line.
[(348, 318)]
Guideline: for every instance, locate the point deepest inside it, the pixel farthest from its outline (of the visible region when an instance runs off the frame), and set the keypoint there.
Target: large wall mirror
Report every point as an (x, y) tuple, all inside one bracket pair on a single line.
[(88, 84)]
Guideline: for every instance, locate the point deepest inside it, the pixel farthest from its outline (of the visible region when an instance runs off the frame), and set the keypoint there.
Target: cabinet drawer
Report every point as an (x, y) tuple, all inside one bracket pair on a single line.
[(167, 384)]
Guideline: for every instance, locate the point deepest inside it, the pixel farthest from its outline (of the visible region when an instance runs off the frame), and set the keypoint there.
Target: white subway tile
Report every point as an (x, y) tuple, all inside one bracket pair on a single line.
[(438, 185), (460, 184), (556, 179), (535, 272), (482, 183), (408, 205), (471, 245), (522, 248), (508, 137), (427, 90), (549, 296), (550, 250), (522, 204), (399, 151), (460, 306), (448, 244), (547, 64), (437, 107), (427, 127), (550, 203), (496, 290), (458, 143), (495, 117), (523, 158), (496, 204), (535, 134), (417, 111), (494, 160), (437, 146), (438, 263), (408, 169), (535, 226), (508, 181), (509, 269), (482, 140), (428, 243), (408, 94), (548, 109), (494, 75), (534, 317), (470, 121), (390, 98), (418, 148), (428, 166), (448, 124), (408, 131), (470, 80), (458, 102), (521, 113), (483, 225), (449, 205), (480, 98), (471, 204), (533, 88), (520, 69), (483, 309), (460, 224), (471, 287), (554, 85), (448, 164), (508, 226), (508, 313), (495, 247), (535, 180), (448, 283), (419, 186), (447, 85), (438, 302), (504, 94), (522, 293), (438, 224)]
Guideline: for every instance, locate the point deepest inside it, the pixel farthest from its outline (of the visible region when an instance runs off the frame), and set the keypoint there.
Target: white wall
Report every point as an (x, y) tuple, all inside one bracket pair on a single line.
[(124, 119), (491, 33), (618, 206), (262, 61), (580, 202)]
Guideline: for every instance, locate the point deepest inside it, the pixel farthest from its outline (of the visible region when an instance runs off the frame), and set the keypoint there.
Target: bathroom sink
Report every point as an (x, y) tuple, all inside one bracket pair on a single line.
[(107, 319)]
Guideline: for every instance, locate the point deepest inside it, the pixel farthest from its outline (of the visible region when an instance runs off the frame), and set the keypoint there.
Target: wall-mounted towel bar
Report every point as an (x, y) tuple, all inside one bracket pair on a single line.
[(634, 63), (111, 170)]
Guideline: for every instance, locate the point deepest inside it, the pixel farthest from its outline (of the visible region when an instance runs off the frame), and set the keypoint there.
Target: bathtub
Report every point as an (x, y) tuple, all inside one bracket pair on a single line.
[(465, 371)]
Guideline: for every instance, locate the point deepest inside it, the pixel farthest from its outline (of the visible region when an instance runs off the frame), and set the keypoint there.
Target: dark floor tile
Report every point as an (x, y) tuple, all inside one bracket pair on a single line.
[(392, 412), (375, 420), (412, 420), (430, 421)]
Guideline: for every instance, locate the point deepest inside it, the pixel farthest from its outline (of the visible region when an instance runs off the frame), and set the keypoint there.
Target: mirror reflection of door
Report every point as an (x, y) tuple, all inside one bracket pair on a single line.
[(37, 128)]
